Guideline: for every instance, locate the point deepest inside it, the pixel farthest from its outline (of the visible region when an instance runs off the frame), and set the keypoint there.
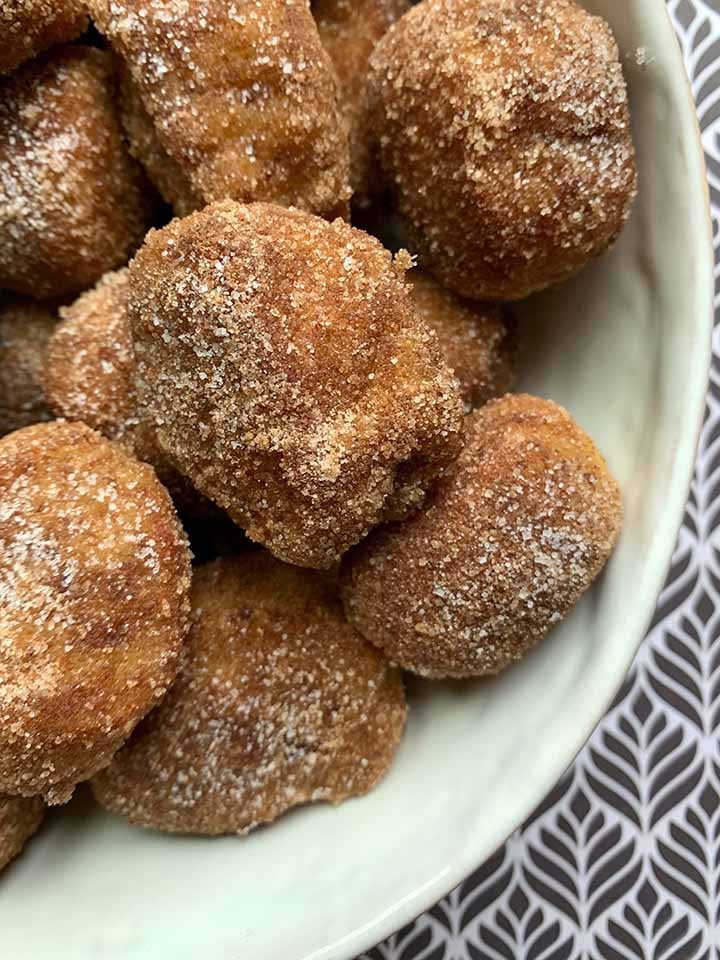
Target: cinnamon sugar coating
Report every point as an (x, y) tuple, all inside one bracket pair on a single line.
[(25, 326), (474, 339), (279, 702), (19, 819), (502, 127), (233, 100), (349, 31), (94, 578), (88, 376), (504, 549), (73, 203), (287, 375), (27, 27)]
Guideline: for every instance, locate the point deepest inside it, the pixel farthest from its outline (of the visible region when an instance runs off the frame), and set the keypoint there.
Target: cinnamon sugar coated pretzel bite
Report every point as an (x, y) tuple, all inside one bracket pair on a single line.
[(27, 27), (88, 376), (88, 366), (19, 819), (25, 327), (279, 702), (349, 30), (474, 339), (94, 577), (230, 100), (505, 548), (287, 376), (503, 129), (73, 203)]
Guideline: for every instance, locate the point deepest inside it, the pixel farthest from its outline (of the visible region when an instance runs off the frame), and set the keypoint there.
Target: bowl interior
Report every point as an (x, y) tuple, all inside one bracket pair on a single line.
[(625, 347)]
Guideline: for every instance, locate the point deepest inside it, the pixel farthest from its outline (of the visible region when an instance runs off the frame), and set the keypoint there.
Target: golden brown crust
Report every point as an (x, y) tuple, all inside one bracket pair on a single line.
[(94, 577), (287, 375), (279, 702), (19, 819), (504, 549), (242, 99), (28, 27), (89, 361), (25, 327), (475, 340), (349, 31), (73, 203), (88, 376), (503, 129)]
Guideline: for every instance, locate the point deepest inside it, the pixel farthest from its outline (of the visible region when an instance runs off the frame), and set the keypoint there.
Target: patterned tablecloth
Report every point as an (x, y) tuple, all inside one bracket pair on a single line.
[(622, 860)]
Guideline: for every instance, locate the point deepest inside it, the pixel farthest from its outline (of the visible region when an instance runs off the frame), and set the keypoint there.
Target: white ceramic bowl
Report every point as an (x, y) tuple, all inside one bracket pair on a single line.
[(626, 348)]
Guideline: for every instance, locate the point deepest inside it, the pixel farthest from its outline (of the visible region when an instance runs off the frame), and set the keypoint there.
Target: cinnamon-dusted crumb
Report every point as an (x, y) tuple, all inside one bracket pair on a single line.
[(19, 819), (240, 97), (25, 326), (88, 376), (279, 702), (503, 550), (474, 337), (94, 577), (349, 31), (27, 27), (73, 203), (288, 376), (503, 129)]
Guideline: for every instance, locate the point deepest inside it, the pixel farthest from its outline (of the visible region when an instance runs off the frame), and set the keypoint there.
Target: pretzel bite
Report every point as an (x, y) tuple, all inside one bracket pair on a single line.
[(88, 376), (19, 819), (94, 578), (279, 702), (502, 127), (27, 27), (288, 376), (474, 339), (25, 327), (73, 203), (504, 549), (230, 100), (349, 30)]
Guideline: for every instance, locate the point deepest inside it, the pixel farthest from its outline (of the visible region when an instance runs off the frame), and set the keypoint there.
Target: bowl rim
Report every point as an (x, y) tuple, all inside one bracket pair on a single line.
[(475, 854)]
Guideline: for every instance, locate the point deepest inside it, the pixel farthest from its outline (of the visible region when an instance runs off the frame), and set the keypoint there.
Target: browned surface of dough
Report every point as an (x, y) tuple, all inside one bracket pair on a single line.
[(94, 579), (241, 98), (288, 376), (503, 130), (27, 27), (25, 326), (349, 31), (88, 376), (474, 337), (279, 702), (504, 549), (73, 203), (19, 819)]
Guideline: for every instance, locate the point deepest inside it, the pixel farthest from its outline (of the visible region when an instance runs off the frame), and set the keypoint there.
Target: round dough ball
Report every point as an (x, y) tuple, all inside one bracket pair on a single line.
[(94, 579), (502, 127), (279, 702), (73, 203), (349, 31), (19, 819), (474, 339), (504, 549), (25, 327), (27, 27), (230, 100), (288, 376), (88, 376)]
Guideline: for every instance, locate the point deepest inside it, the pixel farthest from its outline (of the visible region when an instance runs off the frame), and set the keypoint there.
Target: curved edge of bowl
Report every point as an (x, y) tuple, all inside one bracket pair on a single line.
[(427, 895)]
